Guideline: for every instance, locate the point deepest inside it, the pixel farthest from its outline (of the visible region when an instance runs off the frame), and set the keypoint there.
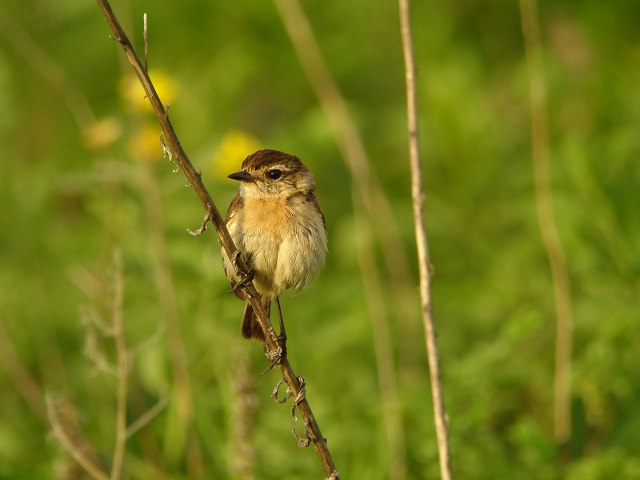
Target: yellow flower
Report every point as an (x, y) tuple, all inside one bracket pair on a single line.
[(102, 133), (133, 94), (234, 147), (144, 145)]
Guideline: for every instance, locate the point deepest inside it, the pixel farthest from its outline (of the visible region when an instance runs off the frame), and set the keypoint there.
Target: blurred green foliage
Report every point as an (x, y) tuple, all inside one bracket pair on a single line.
[(74, 188)]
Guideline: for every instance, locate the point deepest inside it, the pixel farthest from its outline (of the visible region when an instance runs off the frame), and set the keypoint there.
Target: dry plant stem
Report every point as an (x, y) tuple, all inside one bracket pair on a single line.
[(70, 446), (213, 216), (178, 155), (370, 202), (166, 291), (59, 80), (351, 146), (122, 362), (245, 402), (396, 448), (417, 192), (20, 376), (144, 419), (547, 222)]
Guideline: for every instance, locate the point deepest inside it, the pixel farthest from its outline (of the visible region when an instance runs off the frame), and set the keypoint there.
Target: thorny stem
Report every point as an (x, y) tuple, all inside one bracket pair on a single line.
[(439, 413), (212, 212)]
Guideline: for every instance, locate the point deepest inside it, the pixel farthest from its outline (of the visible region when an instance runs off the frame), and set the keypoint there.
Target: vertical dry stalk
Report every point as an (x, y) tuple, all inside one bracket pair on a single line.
[(167, 297), (62, 415), (213, 216), (352, 148), (49, 410), (547, 222), (396, 454), (166, 292), (417, 193), (243, 418), (122, 366), (370, 202)]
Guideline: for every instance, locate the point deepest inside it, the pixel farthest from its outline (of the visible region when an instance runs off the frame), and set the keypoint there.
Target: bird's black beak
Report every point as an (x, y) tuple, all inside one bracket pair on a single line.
[(241, 176)]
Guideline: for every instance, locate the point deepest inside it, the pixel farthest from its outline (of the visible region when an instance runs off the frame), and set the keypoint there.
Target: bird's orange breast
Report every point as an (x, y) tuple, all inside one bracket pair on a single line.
[(269, 217)]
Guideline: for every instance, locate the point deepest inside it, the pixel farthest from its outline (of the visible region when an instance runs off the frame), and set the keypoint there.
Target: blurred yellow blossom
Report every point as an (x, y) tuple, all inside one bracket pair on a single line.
[(234, 147), (102, 133), (132, 93), (144, 144)]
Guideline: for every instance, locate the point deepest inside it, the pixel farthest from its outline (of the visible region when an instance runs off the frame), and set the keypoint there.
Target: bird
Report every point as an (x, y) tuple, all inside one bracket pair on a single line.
[(279, 230)]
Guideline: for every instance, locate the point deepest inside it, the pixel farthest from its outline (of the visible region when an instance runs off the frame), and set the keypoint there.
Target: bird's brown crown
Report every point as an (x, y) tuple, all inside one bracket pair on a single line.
[(264, 159), (271, 172)]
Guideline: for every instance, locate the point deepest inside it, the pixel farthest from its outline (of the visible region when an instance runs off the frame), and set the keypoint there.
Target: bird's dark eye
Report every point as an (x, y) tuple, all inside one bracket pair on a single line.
[(274, 174)]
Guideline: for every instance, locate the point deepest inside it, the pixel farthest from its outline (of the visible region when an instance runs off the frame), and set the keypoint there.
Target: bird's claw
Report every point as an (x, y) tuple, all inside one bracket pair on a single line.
[(238, 286), (234, 258), (276, 355), (246, 277)]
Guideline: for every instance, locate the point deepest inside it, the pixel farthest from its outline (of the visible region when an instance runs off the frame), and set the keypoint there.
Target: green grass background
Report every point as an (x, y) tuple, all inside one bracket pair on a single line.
[(65, 207)]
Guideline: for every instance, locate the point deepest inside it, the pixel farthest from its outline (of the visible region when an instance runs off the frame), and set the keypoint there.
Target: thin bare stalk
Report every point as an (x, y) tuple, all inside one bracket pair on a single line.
[(370, 206), (546, 221), (388, 384), (167, 296), (417, 193), (20, 376), (83, 115), (351, 146), (71, 446), (144, 419), (122, 364), (243, 455), (175, 151)]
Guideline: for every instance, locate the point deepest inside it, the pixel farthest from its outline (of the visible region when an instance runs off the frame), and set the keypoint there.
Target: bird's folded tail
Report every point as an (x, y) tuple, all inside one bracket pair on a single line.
[(250, 326)]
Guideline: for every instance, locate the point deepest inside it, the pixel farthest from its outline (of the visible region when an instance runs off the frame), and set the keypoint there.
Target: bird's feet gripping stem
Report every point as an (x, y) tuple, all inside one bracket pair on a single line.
[(276, 354), (245, 276), (279, 353)]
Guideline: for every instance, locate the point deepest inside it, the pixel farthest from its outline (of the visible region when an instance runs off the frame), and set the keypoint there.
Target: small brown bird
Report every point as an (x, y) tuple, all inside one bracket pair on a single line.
[(276, 223)]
